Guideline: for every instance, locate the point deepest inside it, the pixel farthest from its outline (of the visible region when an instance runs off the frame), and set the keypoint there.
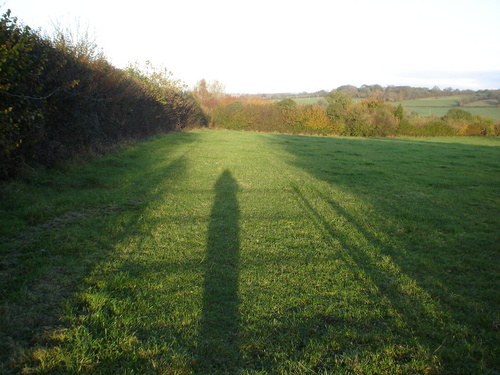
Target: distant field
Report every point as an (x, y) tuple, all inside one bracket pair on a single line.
[(315, 100), (483, 103), (440, 106), (303, 101), (493, 113), (219, 252), (431, 106), (429, 103), (308, 101)]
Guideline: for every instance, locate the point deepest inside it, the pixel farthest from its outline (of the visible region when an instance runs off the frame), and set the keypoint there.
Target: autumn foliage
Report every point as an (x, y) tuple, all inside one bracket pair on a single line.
[(339, 115)]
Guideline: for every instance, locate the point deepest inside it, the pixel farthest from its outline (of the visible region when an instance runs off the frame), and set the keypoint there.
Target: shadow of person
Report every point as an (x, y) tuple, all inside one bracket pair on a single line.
[(218, 342)]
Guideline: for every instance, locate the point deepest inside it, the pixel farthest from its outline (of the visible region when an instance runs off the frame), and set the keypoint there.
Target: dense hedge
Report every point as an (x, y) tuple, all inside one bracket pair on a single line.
[(57, 102)]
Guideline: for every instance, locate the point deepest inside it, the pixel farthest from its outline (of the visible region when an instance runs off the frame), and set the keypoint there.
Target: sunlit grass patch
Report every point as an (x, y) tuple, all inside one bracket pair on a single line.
[(228, 252)]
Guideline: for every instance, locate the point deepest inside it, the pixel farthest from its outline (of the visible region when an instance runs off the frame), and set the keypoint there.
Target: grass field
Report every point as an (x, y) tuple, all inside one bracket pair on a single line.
[(212, 252), (440, 106), (493, 113), (444, 101), (433, 106), (309, 101), (303, 101)]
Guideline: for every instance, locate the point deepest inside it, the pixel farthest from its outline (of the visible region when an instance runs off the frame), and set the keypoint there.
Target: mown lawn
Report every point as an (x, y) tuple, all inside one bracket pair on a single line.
[(212, 252)]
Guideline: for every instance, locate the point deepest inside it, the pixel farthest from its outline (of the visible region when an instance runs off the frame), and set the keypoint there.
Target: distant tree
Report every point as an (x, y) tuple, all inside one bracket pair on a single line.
[(399, 113), (290, 112), (494, 94), (217, 89), (208, 91), (77, 40), (373, 102), (209, 95), (158, 77), (436, 91), (339, 98), (338, 102), (349, 89), (287, 103), (200, 91), (368, 90), (458, 114), (357, 121), (321, 93)]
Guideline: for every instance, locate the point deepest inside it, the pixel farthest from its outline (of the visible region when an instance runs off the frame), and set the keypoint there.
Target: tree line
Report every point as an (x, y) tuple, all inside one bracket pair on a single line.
[(339, 114), (60, 98), (392, 93)]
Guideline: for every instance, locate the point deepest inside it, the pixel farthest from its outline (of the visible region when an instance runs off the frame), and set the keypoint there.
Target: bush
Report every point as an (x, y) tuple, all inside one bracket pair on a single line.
[(409, 128), (358, 122), (22, 61), (231, 116), (483, 126), (458, 114), (58, 101), (316, 119), (438, 127)]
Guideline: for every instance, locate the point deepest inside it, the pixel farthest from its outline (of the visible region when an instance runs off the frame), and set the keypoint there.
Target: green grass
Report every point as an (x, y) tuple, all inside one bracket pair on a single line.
[(303, 101), (484, 103), (309, 101), (440, 106), (438, 102), (243, 253), (493, 113)]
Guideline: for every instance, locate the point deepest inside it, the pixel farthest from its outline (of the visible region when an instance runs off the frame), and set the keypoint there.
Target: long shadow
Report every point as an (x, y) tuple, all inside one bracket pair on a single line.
[(439, 270), (386, 282), (144, 176), (218, 342)]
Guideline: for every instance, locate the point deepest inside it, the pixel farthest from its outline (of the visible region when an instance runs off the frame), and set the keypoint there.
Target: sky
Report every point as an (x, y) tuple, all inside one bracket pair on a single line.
[(277, 46)]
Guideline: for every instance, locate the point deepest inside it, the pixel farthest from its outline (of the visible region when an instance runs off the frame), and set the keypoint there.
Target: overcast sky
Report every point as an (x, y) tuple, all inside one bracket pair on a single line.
[(265, 46)]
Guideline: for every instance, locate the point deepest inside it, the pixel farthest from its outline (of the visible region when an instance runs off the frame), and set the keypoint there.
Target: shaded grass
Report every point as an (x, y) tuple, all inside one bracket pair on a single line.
[(227, 252)]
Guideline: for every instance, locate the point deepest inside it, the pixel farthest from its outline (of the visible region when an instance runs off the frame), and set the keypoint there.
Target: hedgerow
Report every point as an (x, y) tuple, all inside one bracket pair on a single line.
[(340, 116), (59, 100)]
